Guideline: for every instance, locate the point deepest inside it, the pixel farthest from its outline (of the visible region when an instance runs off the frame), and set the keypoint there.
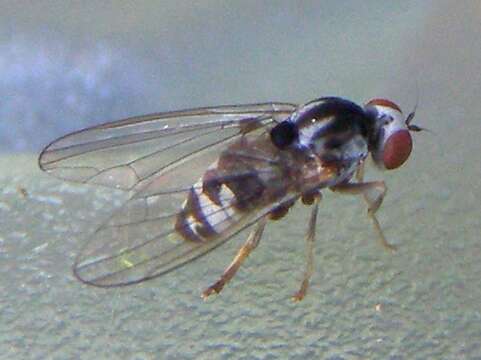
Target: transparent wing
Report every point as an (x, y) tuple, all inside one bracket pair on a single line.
[(159, 157), (120, 254), (143, 238), (124, 153)]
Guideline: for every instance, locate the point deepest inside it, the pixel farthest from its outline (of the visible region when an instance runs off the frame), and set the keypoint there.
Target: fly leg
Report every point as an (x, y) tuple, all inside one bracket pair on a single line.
[(242, 254), (310, 237), (373, 202), (371, 214)]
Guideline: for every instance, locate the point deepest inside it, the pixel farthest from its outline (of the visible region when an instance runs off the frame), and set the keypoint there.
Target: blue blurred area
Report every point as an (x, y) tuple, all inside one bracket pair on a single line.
[(47, 91), (67, 65)]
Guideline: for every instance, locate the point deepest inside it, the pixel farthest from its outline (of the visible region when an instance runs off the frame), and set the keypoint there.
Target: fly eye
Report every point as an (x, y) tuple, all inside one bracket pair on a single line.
[(397, 149), (284, 134)]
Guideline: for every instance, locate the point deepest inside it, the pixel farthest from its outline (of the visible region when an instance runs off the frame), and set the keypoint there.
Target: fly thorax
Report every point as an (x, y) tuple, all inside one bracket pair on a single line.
[(312, 173)]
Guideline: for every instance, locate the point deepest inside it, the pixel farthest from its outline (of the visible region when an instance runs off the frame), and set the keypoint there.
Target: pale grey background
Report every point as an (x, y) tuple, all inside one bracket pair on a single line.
[(69, 64)]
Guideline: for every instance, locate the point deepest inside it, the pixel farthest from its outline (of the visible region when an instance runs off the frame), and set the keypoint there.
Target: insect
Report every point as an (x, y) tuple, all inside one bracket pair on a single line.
[(198, 177)]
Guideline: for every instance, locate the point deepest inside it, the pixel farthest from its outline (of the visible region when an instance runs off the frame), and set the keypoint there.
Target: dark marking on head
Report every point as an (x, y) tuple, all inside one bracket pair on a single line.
[(375, 138)]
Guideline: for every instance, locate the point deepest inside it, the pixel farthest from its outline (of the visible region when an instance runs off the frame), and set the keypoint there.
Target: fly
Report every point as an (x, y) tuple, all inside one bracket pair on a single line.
[(198, 177)]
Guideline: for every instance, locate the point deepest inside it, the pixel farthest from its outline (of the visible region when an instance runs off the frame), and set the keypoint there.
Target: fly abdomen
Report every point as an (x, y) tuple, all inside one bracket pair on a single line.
[(231, 188), (206, 213), (248, 189), (216, 202), (247, 176)]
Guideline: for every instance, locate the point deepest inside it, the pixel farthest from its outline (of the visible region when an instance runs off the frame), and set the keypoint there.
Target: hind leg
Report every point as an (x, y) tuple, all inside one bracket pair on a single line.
[(242, 254)]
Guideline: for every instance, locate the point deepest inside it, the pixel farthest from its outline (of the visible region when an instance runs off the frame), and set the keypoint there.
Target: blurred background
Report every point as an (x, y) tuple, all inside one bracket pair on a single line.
[(65, 65)]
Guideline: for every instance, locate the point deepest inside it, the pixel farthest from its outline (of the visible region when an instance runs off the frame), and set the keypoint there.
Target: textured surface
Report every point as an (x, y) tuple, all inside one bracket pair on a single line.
[(420, 303)]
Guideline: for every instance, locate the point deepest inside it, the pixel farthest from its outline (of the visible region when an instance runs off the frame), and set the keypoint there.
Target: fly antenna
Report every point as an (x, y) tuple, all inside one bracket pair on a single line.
[(410, 117)]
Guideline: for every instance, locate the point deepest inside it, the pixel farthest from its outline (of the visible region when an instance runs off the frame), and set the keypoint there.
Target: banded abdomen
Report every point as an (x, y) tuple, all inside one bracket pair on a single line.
[(247, 176)]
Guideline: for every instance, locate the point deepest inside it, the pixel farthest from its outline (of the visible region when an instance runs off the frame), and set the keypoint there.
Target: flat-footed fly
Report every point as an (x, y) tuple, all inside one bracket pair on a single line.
[(198, 177)]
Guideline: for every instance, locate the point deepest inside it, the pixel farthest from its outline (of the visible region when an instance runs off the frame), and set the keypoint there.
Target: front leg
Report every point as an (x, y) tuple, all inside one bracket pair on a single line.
[(373, 201)]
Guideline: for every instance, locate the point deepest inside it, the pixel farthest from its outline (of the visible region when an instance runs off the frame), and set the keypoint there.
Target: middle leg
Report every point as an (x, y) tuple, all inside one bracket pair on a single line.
[(310, 237)]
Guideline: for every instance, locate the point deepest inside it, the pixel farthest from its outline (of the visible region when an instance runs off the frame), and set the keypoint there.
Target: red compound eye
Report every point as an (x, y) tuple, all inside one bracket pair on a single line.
[(397, 149)]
